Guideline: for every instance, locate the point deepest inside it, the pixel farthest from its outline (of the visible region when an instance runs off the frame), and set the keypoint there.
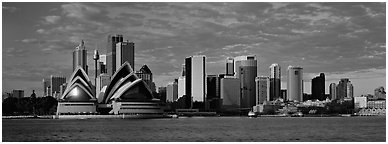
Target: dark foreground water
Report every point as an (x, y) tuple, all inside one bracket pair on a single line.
[(327, 129)]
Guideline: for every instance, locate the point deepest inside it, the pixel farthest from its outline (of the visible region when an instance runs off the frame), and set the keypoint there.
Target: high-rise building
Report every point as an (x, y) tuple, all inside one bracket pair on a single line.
[(172, 91), (274, 86), (55, 83), (102, 80), (62, 88), (230, 92), (182, 83), (283, 94), (262, 89), (195, 78), (229, 66), (247, 75), (213, 87), (101, 66), (80, 57), (344, 89), (146, 75), (318, 87), (125, 51), (237, 63), (18, 93), (333, 91), (46, 84), (295, 83), (162, 93), (111, 53)]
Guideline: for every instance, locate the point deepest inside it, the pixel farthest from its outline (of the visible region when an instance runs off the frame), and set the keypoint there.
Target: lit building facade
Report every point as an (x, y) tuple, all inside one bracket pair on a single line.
[(80, 57), (262, 89), (237, 64), (318, 87), (275, 81), (247, 75), (111, 53), (229, 66), (295, 83), (195, 78), (172, 91), (125, 52)]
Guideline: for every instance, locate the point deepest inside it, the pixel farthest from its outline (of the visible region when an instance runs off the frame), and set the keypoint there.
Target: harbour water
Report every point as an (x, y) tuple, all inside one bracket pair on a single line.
[(193, 129)]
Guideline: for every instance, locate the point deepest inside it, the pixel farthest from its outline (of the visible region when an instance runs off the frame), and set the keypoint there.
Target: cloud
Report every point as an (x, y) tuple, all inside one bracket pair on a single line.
[(10, 9), (52, 19), (29, 41)]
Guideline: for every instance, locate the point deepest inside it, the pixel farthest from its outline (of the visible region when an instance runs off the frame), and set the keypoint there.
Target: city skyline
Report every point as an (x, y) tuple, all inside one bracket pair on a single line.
[(320, 37)]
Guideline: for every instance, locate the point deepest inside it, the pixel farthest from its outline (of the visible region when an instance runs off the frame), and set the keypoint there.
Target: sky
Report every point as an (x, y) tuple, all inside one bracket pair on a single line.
[(342, 40)]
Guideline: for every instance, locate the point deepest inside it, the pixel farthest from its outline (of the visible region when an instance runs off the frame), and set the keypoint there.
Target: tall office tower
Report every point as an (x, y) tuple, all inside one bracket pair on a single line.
[(247, 75), (213, 87), (262, 89), (195, 79), (62, 88), (229, 66), (237, 63), (295, 83), (80, 57), (283, 94), (56, 82), (125, 51), (274, 86), (344, 89), (46, 84), (111, 53), (172, 91), (18, 93), (318, 87), (230, 92), (102, 65), (182, 83), (333, 91)]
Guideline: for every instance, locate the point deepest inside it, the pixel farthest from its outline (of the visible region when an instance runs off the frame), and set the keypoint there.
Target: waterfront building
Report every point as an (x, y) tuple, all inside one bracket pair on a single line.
[(262, 89), (247, 75), (295, 83), (55, 85), (78, 96), (162, 93), (237, 64), (128, 94), (195, 79), (229, 66), (318, 87), (182, 82), (80, 57), (275, 82), (172, 91), (344, 89), (333, 91), (125, 52), (18, 93), (46, 84), (380, 93), (230, 92), (213, 92), (111, 53), (360, 102)]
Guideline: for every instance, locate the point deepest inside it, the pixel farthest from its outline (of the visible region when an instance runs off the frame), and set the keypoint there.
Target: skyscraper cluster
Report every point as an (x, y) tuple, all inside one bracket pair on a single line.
[(344, 89)]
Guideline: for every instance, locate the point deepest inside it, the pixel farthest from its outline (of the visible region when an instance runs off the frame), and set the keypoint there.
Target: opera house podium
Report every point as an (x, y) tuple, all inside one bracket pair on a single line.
[(78, 97)]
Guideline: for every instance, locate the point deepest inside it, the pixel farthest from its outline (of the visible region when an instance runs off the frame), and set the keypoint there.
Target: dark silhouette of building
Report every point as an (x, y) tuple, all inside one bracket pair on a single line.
[(248, 73), (344, 89), (162, 93), (318, 87), (111, 53), (146, 75), (125, 52), (274, 86), (213, 95)]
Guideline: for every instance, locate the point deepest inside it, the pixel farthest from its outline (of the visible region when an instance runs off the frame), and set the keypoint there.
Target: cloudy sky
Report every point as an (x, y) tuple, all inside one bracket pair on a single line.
[(343, 40)]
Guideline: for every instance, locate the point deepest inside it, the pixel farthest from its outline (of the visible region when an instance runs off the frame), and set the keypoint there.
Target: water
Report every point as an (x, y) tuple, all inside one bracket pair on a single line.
[(264, 129)]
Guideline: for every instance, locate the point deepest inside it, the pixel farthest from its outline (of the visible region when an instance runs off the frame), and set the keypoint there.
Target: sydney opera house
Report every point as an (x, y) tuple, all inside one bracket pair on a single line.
[(125, 94)]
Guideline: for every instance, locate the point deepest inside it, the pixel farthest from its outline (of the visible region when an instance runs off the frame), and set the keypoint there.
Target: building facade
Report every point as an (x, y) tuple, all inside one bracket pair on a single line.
[(230, 93), (275, 81), (248, 73), (46, 84), (318, 87), (55, 85), (125, 52), (172, 92), (333, 91), (262, 89), (80, 57), (195, 78), (111, 53), (344, 89), (229, 66), (295, 83)]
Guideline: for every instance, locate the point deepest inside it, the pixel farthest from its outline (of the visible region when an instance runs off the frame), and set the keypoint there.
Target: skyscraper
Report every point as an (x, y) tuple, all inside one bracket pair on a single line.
[(262, 89), (295, 83), (80, 57), (318, 87), (56, 82), (172, 91), (182, 83), (333, 91), (195, 78), (229, 66), (102, 65), (247, 75), (237, 63), (125, 51), (274, 86), (213, 87), (344, 89), (46, 84), (111, 53)]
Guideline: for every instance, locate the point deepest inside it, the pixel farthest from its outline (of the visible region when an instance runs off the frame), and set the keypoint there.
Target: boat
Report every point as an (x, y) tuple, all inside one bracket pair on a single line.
[(252, 114)]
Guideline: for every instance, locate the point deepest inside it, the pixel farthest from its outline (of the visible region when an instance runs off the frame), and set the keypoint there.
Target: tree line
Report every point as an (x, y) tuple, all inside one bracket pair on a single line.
[(30, 106)]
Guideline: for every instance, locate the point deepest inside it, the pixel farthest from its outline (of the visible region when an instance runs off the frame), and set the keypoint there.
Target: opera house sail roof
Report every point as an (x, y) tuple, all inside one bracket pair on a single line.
[(126, 86), (79, 87)]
